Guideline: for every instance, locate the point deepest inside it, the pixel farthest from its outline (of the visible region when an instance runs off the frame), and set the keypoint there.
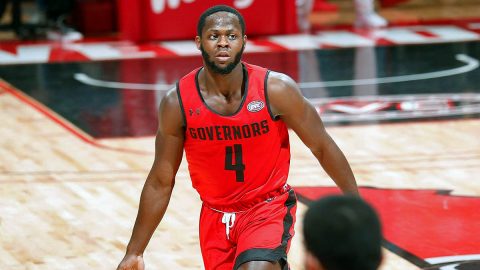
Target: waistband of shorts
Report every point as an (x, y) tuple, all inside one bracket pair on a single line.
[(243, 206)]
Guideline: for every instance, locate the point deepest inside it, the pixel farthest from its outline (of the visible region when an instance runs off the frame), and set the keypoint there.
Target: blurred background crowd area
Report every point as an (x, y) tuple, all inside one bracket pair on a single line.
[(401, 12), (77, 19)]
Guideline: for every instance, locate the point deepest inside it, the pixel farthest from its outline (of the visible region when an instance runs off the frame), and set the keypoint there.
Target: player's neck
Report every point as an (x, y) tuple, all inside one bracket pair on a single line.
[(225, 84)]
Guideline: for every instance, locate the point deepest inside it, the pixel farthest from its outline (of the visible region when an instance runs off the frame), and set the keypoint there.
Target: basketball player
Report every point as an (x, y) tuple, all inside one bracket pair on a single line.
[(342, 233), (231, 118)]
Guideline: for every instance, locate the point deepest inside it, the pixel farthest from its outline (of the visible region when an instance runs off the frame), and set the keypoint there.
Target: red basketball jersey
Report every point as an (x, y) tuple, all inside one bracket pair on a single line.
[(234, 159)]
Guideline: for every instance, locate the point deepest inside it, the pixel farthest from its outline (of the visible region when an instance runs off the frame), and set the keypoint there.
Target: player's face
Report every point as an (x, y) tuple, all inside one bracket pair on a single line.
[(221, 43)]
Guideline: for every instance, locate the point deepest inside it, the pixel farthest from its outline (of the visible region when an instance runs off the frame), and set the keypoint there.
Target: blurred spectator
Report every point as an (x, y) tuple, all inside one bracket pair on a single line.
[(365, 15), (58, 15), (41, 18), (304, 8), (342, 233), (15, 23)]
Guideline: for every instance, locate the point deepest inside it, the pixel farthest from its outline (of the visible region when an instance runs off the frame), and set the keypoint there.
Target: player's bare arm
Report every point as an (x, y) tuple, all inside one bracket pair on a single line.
[(159, 184), (287, 102)]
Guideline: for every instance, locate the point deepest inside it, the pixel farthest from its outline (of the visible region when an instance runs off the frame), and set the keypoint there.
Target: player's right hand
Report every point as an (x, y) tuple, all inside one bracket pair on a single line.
[(131, 262)]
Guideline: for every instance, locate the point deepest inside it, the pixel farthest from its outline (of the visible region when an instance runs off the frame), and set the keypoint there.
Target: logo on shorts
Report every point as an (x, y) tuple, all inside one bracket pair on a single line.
[(255, 106)]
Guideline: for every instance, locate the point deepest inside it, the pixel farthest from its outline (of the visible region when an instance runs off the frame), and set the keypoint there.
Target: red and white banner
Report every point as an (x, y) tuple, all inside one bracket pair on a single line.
[(43, 52), (147, 20)]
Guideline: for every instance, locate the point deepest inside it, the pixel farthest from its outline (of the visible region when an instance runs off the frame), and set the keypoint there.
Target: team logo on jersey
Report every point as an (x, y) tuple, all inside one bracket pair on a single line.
[(255, 106)]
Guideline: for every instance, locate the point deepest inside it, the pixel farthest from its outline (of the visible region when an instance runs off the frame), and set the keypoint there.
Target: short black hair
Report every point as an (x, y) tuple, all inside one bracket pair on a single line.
[(343, 233), (215, 9)]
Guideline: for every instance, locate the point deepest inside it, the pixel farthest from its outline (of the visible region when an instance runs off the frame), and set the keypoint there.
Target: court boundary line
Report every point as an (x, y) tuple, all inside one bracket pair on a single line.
[(470, 64), (62, 122)]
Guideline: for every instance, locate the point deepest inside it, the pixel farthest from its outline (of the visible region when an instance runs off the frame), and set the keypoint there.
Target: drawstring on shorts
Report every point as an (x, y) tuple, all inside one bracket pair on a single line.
[(228, 219)]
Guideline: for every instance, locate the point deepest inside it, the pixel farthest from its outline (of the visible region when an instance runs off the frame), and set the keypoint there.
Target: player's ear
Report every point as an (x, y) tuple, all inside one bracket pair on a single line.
[(198, 40)]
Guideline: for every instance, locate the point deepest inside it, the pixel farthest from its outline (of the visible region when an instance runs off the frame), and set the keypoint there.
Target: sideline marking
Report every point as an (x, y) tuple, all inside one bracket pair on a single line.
[(471, 64), (469, 257), (58, 119)]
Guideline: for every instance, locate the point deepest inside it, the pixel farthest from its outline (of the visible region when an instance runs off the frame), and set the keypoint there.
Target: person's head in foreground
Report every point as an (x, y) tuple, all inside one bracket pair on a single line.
[(342, 233)]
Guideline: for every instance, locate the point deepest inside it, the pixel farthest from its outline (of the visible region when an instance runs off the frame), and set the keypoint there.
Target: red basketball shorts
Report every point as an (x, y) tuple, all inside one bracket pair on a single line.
[(261, 233)]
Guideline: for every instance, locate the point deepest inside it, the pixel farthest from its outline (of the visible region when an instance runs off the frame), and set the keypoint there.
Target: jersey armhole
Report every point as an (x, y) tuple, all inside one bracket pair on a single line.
[(184, 118), (265, 83)]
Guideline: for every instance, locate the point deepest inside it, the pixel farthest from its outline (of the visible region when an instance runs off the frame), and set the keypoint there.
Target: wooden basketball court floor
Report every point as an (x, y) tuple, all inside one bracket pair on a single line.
[(69, 190)]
